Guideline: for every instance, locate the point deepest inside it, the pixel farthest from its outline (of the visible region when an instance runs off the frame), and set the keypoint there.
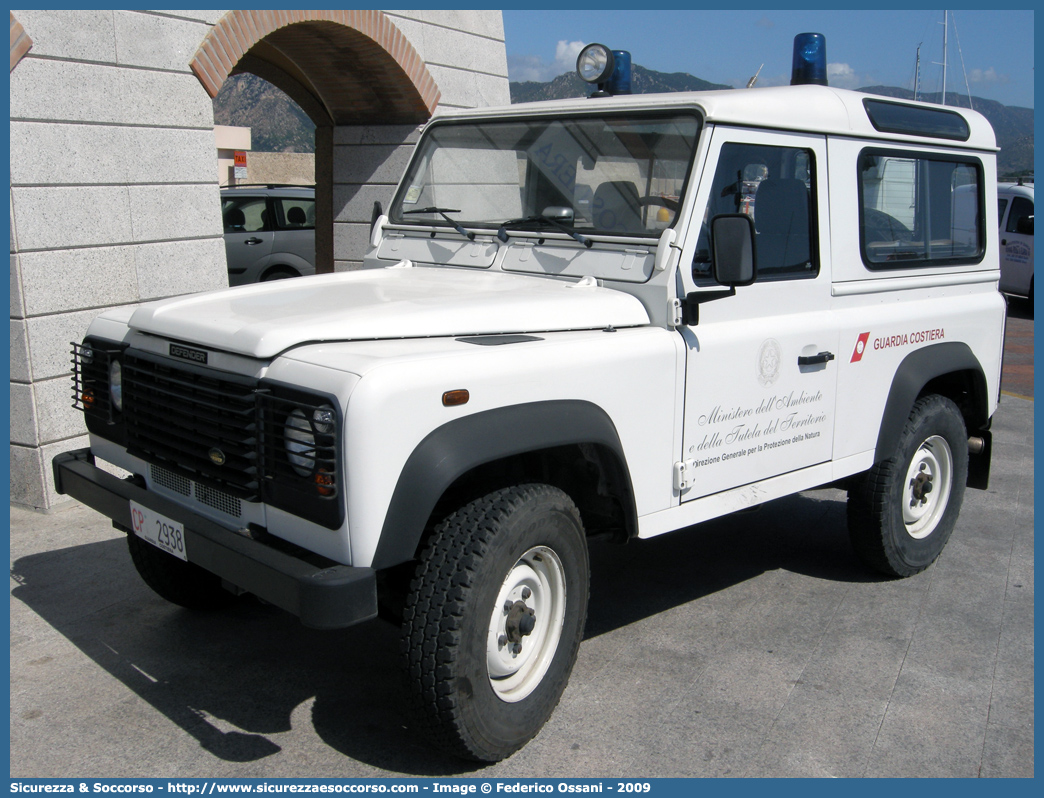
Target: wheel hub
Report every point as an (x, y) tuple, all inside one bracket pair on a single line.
[(928, 482), (520, 622), (921, 486), (526, 624)]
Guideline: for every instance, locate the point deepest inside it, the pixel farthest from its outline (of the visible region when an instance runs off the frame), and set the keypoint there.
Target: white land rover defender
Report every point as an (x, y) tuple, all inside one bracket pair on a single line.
[(616, 317)]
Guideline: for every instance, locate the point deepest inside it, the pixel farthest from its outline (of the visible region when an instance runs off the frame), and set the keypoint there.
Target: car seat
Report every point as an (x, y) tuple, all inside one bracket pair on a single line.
[(615, 207), (781, 219), (235, 220)]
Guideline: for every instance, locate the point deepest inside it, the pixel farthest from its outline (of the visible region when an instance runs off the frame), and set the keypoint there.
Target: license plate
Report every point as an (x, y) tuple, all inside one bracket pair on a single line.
[(160, 531)]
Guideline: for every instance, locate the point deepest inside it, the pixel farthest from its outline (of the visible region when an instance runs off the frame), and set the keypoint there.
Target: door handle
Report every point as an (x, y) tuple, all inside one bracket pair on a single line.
[(814, 360), (252, 241), (1004, 242)]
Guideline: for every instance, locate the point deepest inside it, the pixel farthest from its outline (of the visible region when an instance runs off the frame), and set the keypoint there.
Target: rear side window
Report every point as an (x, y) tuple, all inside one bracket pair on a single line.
[(296, 214), (917, 209)]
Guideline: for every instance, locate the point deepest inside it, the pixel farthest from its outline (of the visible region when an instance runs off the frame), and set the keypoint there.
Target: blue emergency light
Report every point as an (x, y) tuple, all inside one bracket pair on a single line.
[(810, 62), (609, 69)]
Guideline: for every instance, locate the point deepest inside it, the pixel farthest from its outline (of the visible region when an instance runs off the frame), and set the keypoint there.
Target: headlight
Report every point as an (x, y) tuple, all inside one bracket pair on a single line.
[(299, 442), (116, 385), (324, 418), (595, 63)]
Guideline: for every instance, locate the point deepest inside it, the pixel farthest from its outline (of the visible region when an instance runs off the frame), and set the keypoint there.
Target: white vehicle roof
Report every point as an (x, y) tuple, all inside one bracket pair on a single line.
[(809, 108), (1015, 190)]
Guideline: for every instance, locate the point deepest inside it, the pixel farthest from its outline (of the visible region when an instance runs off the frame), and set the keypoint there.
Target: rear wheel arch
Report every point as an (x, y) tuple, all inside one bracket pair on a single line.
[(948, 369), (473, 455), (279, 272)]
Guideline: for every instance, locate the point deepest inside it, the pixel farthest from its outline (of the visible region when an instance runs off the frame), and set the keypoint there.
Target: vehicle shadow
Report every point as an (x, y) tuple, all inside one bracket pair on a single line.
[(232, 680), (1020, 307)]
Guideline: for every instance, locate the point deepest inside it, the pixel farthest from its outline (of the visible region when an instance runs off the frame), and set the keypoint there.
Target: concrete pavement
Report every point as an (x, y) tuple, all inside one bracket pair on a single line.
[(755, 645)]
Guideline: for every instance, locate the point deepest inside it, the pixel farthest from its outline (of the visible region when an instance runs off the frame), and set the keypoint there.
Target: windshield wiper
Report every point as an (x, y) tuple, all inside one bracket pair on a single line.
[(503, 236), (442, 212)]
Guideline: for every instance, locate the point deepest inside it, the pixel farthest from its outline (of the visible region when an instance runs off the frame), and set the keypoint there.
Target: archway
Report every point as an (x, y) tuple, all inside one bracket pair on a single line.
[(342, 67)]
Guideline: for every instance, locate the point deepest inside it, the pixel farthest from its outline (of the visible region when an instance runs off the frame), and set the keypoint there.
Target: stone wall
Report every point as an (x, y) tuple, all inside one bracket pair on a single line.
[(114, 197), (291, 168), (113, 201)]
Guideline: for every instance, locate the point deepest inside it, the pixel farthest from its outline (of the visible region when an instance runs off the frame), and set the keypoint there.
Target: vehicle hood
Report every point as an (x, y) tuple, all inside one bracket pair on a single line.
[(413, 302)]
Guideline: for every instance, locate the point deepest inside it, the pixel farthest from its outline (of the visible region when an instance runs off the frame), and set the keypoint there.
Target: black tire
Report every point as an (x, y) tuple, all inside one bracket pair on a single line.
[(179, 582), (457, 625), (902, 511), (279, 273)]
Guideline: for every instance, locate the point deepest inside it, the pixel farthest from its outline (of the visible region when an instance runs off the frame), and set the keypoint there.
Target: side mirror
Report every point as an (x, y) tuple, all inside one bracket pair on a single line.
[(1025, 226), (376, 213), (733, 252)]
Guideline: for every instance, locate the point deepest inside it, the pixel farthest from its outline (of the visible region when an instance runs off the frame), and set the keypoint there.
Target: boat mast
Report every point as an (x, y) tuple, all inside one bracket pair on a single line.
[(946, 29), (917, 71)]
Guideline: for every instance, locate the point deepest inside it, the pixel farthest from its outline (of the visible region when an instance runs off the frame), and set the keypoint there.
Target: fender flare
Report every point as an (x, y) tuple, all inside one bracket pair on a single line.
[(915, 371), (450, 451)]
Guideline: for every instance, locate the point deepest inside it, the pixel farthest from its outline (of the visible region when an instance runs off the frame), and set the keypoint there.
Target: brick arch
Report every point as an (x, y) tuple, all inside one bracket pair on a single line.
[(20, 42), (356, 66)]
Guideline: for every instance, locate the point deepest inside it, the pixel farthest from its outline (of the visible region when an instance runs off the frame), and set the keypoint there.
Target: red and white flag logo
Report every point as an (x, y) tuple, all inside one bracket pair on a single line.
[(860, 347)]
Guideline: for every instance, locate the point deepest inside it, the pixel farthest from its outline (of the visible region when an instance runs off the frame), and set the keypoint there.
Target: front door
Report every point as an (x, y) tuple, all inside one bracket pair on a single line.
[(1016, 248), (248, 236), (761, 364)]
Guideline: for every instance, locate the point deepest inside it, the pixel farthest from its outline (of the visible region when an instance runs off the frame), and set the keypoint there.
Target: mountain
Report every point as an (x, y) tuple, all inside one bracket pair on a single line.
[(643, 81), (277, 123), (1012, 125)]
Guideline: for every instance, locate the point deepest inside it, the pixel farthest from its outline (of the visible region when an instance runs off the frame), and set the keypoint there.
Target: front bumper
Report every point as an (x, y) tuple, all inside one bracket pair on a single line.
[(324, 595)]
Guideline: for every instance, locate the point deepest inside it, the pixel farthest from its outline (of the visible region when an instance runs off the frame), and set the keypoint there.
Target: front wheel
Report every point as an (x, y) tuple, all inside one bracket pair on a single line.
[(902, 511), (494, 619), (179, 582)]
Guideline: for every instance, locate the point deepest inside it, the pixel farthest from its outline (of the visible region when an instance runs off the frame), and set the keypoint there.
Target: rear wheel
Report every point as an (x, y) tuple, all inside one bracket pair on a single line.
[(279, 273), (902, 511), (494, 619)]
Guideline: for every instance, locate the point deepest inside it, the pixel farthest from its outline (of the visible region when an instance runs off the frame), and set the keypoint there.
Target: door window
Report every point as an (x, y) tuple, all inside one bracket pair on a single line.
[(772, 185), (1021, 208), (244, 214)]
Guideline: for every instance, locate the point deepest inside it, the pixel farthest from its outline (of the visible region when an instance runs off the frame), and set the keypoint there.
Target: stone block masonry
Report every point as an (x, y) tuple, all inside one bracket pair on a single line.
[(114, 197)]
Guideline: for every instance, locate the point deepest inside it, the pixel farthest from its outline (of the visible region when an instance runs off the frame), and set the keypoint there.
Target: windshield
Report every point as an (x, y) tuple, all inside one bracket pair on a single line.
[(614, 174)]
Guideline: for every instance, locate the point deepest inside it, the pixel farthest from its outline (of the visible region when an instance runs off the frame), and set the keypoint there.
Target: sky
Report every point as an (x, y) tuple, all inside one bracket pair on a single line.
[(864, 48)]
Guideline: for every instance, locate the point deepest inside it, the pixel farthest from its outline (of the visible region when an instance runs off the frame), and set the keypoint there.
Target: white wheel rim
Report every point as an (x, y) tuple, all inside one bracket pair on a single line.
[(927, 487), (517, 664)]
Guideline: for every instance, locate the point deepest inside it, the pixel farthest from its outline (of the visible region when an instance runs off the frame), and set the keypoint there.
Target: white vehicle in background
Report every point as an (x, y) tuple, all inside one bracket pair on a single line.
[(610, 318), (1015, 204)]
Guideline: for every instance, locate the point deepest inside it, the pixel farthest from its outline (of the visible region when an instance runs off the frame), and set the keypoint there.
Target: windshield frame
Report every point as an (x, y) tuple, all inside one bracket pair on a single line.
[(422, 151)]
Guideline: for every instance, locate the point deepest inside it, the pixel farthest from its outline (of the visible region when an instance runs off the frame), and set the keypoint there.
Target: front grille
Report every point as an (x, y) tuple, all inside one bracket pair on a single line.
[(91, 380), (197, 422), (219, 500), (215, 437), (171, 481)]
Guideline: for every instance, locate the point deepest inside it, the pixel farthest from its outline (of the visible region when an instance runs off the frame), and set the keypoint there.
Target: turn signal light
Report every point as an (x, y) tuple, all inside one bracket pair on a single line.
[(454, 398), (324, 483)]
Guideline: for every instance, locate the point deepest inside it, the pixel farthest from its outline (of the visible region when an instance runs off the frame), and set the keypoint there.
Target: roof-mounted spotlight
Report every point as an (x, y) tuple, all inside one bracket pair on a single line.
[(609, 69), (595, 63), (810, 62)]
